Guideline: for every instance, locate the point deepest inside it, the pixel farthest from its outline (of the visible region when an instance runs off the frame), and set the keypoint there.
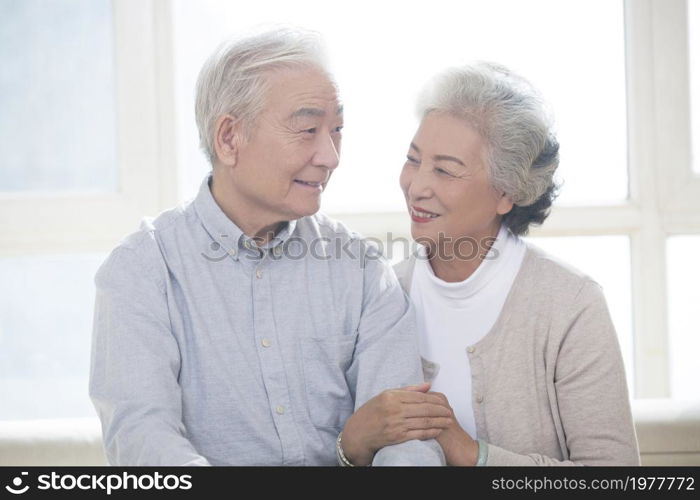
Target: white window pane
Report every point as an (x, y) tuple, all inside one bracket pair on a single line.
[(694, 53), (606, 259), (46, 307), (383, 59), (684, 325), (57, 96)]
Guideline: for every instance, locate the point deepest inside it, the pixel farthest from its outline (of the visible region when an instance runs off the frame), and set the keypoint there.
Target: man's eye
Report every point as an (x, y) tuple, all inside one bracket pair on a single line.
[(338, 129), (310, 130), (410, 159)]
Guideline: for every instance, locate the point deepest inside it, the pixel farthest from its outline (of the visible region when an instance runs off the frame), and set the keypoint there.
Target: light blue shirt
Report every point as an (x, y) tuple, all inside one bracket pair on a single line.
[(208, 350)]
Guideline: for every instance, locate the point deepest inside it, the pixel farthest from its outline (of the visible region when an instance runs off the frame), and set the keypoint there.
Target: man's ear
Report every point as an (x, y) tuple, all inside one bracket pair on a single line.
[(505, 204), (227, 140)]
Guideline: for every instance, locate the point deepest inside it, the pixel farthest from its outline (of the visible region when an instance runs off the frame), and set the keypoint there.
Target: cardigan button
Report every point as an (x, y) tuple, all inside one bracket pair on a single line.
[(480, 399)]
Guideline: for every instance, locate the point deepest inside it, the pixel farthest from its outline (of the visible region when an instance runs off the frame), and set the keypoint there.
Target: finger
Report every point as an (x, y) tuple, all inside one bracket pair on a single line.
[(439, 395), (428, 423), (424, 387), (425, 410), (423, 434), (419, 397)]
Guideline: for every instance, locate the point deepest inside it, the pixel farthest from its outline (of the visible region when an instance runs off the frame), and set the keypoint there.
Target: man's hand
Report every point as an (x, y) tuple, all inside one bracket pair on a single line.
[(392, 417)]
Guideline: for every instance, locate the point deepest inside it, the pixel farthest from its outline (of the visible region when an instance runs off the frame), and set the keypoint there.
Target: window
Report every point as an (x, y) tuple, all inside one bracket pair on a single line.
[(616, 98), (683, 291), (45, 324), (694, 58), (381, 72), (122, 143), (81, 137), (62, 136)]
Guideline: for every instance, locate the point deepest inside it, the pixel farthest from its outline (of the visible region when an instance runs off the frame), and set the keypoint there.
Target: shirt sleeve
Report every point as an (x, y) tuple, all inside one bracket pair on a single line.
[(386, 355), (591, 392), (135, 362)]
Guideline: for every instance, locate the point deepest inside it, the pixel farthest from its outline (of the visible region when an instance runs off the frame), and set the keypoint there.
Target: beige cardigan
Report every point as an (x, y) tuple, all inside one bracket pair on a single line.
[(548, 382)]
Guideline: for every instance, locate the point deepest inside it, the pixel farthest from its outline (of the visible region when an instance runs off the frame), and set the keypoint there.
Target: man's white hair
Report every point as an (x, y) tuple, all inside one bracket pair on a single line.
[(234, 79)]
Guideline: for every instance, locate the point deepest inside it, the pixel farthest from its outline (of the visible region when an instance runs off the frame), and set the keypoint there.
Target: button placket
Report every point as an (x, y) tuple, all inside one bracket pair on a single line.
[(273, 369)]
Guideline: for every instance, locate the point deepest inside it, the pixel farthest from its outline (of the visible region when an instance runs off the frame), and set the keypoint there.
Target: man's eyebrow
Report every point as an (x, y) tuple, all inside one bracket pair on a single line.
[(413, 146), (448, 158), (302, 112)]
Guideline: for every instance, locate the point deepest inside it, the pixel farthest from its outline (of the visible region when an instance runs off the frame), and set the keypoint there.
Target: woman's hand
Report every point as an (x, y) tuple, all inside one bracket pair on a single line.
[(392, 417), (457, 445)]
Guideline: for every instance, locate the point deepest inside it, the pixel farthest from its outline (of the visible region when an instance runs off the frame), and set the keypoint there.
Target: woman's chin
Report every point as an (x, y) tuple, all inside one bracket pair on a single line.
[(421, 234)]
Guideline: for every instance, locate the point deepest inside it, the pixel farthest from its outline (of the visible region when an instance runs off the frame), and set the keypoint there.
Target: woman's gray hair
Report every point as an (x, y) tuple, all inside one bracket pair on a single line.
[(234, 79), (510, 115)]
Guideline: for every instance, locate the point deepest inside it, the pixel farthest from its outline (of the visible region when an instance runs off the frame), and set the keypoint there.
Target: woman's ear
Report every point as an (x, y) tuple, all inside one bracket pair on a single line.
[(505, 204), (227, 140)]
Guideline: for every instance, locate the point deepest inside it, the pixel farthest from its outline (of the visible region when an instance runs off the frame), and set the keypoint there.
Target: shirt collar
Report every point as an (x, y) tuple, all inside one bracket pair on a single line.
[(224, 231)]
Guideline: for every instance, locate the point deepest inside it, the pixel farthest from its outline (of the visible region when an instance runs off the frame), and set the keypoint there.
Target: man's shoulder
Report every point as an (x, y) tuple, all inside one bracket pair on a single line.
[(404, 272), (150, 227), (140, 248)]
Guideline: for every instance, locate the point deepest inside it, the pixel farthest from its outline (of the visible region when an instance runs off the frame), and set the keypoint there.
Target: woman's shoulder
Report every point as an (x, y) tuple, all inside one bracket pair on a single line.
[(555, 278)]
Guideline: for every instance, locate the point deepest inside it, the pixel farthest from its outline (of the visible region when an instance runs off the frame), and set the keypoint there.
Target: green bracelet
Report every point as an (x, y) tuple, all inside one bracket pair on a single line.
[(483, 453)]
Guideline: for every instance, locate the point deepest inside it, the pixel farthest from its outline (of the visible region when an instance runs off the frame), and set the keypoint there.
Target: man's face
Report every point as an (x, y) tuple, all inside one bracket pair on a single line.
[(294, 147)]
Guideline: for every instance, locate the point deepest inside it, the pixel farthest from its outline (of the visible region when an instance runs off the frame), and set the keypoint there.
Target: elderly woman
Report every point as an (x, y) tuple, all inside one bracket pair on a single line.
[(517, 345)]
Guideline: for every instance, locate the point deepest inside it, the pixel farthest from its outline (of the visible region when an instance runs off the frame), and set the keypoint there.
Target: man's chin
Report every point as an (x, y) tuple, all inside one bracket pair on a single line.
[(306, 210)]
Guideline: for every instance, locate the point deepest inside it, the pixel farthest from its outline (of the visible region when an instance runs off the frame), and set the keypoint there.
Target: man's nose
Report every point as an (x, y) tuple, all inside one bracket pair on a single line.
[(327, 153)]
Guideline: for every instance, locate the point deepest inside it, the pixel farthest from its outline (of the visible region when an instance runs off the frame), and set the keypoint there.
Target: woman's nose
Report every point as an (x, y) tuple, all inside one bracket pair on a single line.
[(420, 184)]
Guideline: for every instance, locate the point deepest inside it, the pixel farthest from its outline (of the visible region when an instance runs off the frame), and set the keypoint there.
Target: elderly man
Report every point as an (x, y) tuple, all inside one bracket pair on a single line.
[(242, 328)]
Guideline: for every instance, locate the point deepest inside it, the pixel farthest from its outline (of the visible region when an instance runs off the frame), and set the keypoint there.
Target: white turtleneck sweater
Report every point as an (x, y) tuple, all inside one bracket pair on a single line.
[(454, 316)]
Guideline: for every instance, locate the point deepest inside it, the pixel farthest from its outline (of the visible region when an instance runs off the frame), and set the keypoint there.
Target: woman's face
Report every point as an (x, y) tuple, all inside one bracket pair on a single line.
[(446, 184)]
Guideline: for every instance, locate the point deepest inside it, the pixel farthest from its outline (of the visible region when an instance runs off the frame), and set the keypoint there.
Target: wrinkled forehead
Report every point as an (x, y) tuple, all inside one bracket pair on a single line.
[(303, 92)]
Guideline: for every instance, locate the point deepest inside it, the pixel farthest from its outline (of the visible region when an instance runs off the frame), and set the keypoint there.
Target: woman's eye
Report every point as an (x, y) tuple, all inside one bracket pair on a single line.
[(442, 171), (338, 129), (411, 160), (310, 130)]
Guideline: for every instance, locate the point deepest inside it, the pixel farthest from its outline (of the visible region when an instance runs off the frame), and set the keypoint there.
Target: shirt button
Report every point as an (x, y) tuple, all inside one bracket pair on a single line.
[(258, 274), (471, 349), (277, 251), (480, 399), (248, 244), (266, 342), (280, 410)]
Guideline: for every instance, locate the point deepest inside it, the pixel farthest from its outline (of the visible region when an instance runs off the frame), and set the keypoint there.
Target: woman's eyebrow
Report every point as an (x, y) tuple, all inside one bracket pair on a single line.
[(448, 158), (440, 157)]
